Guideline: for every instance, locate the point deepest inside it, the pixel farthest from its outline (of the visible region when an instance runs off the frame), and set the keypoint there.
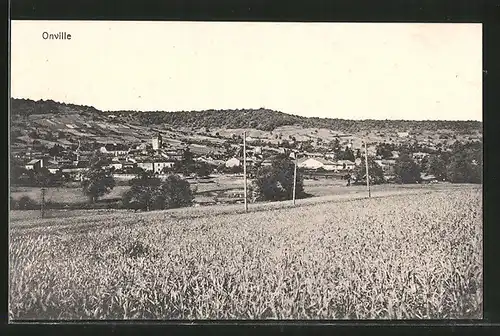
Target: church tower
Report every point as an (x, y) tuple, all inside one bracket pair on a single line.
[(157, 142)]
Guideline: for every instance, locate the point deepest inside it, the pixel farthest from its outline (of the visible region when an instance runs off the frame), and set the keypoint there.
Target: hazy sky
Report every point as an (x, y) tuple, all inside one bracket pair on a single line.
[(352, 71)]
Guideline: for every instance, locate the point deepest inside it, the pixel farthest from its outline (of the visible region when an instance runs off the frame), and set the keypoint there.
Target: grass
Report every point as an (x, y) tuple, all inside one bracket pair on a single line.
[(71, 195), (404, 256), (206, 191)]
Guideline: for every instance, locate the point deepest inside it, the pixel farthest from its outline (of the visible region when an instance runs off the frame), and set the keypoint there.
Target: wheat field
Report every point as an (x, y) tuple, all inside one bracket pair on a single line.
[(399, 257)]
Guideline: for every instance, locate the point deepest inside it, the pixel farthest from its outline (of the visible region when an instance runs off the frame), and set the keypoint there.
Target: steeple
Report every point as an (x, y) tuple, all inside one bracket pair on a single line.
[(157, 142)]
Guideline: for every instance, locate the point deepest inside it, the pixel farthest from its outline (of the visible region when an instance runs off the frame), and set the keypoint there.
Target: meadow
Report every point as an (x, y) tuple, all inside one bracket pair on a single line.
[(217, 188), (392, 256)]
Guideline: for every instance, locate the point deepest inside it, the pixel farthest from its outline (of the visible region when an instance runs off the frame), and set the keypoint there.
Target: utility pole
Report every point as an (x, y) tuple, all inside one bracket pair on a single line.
[(42, 206), (367, 174), (245, 168), (294, 177)]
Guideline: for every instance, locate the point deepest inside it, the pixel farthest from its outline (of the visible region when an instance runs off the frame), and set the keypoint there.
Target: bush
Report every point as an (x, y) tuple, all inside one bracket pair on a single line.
[(13, 203), (26, 203)]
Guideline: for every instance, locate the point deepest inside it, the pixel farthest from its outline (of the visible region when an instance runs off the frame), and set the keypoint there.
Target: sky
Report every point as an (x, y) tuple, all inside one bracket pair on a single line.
[(335, 70)]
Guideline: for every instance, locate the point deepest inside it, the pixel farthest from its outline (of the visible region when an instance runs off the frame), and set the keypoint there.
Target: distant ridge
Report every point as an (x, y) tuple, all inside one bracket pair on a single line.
[(261, 119)]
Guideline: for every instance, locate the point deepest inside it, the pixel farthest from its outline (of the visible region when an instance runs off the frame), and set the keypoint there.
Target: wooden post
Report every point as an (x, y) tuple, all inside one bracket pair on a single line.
[(245, 168), (367, 173), (294, 178), (42, 205)]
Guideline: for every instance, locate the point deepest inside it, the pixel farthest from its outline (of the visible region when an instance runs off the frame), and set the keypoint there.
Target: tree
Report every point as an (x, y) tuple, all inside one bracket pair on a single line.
[(464, 167), (203, 169), (41, 177), (406, 170), (347, 154), (375, 171), (384, 150), (16, 170), (275, 182), (436, 166), (56, 150), (177, 192), (168, 169), (150, 193), (186, 164), (97, 180), (143, 193), (26, 203)]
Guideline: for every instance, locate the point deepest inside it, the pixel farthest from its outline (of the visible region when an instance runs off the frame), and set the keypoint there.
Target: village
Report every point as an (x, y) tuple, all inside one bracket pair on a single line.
[(160, 158)]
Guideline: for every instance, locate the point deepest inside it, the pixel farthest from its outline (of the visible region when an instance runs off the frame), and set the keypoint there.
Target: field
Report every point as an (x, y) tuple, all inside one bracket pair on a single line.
[(407, 255), (220, 188)]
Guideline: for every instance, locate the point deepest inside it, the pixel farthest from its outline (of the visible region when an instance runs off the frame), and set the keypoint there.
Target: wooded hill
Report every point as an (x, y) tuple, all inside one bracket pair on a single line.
[(261, 119)]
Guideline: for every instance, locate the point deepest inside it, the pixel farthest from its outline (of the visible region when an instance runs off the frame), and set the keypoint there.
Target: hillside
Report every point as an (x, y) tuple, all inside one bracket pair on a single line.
[(47, 123), (260, 119)]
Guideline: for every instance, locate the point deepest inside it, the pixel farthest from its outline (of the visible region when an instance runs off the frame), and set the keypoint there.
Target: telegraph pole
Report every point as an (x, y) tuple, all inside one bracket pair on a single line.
[(294, 177), (367, 174), (42, 206), (245, 168)]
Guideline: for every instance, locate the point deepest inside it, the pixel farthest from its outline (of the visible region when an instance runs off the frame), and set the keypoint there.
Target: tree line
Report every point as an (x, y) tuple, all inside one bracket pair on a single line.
[(462, 164), (262, 119)]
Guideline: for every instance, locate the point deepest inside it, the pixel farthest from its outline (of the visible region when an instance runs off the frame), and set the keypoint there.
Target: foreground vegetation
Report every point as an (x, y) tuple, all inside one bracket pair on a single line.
[(412, 256)]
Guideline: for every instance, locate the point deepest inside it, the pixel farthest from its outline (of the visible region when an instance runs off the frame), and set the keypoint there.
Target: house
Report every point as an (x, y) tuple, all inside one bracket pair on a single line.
[(395, 154), (146, 165), (172, 155), (428, 178), (53, 167), (233, 162), (128, 165), (155, 165), (313, 155), (158, 166), (114, 149), (344, 165), (34, 164), (74, 169), (316, 163), (358, 161), (403, 134), (116, 164), (330, 156), (387, 166)]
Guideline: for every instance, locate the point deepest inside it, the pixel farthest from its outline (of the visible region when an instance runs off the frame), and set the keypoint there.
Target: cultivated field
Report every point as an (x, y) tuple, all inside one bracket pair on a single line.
[(402, 256)]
